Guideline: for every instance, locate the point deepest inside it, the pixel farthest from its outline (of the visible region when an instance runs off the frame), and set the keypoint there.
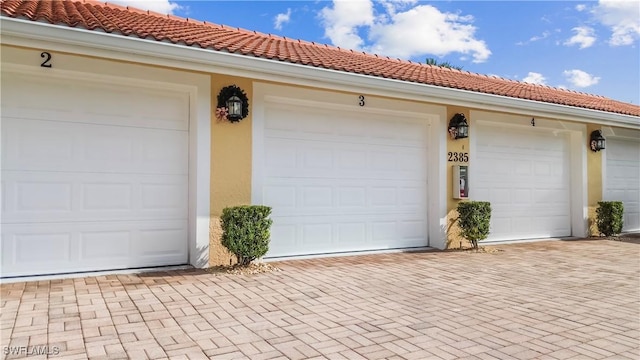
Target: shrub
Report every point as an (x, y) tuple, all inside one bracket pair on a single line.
[(474, 218), (245, 231), (609, 217)]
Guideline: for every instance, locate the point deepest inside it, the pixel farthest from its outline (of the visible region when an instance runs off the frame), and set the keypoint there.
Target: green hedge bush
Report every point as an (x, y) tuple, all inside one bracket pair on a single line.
[(610, 217), (246, 231), (474, 218)]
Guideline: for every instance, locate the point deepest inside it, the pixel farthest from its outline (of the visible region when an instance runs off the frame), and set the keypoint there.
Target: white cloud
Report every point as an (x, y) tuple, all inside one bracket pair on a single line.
[(402, 30), (579, 78), (543, 36), (581, 7), (343, 20), (159, 6), (535, 38), (535, 78), (282, 18), (622, 18), (584, 36), (392, 6)]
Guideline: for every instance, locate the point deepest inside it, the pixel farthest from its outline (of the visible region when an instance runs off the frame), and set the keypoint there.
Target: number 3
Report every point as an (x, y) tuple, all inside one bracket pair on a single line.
[(47, 58), (361, 100)]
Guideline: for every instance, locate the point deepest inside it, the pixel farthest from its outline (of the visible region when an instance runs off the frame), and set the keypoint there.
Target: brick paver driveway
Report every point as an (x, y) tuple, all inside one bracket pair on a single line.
[(545, 300)]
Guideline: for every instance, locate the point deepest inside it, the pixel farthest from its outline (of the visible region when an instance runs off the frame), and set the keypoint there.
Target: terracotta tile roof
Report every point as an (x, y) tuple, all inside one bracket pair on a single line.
[(127, 21)]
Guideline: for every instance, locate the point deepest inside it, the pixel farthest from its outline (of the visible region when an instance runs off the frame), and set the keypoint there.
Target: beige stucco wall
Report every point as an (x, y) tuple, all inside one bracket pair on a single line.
[(594, 180), (454, 240), (230, 164)]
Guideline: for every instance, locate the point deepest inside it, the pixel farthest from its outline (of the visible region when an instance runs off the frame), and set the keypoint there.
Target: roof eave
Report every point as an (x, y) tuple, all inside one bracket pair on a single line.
[(116, 46)]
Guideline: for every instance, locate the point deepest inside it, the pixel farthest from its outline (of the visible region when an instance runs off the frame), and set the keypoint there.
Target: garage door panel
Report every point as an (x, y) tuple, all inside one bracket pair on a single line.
[(282, 121), (59, 146), (43, 101), (331, 234), (296, 158), (343, 183), (25, 142), (517, 173), (318, 211), (324, 234), (158, 242), (524, 176), (105, 245), (94, 176), (45, 197), (513, 227), (91, 246), (64, 100), (311, 197), (338, 138), (623, 179)]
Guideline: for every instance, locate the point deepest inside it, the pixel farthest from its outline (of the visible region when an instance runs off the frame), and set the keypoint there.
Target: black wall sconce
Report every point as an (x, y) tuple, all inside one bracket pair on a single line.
[(233, 104), (597, 141), (458, 127)]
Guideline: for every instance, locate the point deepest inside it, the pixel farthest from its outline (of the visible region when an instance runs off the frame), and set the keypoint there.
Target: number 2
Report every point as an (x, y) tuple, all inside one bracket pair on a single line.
[(47, 58)]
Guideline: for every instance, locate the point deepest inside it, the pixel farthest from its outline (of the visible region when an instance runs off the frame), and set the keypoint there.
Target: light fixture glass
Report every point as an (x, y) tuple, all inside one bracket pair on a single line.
[(458, 126), (234, 106), (598, 141)]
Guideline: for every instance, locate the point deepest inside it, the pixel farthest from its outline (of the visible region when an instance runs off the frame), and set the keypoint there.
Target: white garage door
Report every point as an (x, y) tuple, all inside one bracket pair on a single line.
[(525, 176), (94, 176), (623, 179), (341, 181)]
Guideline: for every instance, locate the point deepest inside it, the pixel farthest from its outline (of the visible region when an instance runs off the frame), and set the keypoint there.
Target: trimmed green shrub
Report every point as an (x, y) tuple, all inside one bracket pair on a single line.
[(474, 218), (610, 217), (245, 231)]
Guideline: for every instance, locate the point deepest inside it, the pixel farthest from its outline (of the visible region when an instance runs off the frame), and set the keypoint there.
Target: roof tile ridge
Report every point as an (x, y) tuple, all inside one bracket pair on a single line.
[(115, 6), (230, 28), (302, 41), (176, 18), (545, 86), (576, 92), (136, 10), (519, 82), (320, 45), (572, 91), (550, 87), (467, 72), (532, 85), (289, 39)]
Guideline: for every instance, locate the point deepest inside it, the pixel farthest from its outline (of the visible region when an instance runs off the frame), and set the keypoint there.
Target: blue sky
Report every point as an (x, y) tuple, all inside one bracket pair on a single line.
[(586, 46)]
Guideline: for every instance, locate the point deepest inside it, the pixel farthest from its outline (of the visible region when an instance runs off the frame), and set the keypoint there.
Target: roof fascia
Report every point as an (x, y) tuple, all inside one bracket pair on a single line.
[(26, 33)]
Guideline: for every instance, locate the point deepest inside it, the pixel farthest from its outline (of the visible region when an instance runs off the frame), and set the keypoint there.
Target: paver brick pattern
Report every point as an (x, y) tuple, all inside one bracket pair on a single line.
[(543, 300)]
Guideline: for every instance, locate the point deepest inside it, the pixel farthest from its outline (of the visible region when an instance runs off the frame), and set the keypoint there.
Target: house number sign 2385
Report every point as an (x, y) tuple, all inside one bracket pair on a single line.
[(458, 156)]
